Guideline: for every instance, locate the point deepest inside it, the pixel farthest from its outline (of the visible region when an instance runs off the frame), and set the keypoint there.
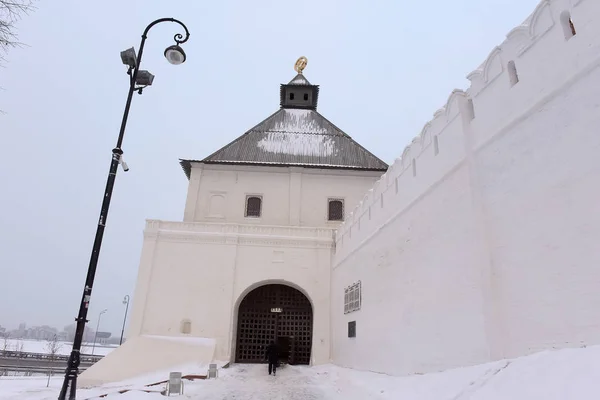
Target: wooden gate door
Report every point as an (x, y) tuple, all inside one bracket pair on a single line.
[(268, 313)]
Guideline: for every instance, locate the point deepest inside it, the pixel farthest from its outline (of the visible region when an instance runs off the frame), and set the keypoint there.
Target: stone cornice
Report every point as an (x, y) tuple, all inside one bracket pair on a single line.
[(238, 234)]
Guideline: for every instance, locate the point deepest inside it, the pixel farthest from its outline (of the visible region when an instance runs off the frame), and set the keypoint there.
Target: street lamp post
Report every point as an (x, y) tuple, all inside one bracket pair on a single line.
[(138, 80), (126, 302), (97, 327)]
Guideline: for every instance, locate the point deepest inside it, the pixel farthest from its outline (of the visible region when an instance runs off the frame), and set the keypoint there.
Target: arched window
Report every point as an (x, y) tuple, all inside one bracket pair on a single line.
[(512, 73), (186, 326), (253, 206), (335, 210), (568, 25)]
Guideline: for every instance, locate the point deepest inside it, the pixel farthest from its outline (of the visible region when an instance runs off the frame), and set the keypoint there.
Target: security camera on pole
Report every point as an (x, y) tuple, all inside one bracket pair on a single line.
[(138, 80)]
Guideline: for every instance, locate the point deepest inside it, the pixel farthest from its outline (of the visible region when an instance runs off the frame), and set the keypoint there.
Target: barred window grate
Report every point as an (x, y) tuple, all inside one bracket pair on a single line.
[(336, 210), (258, 325), (253, 206), (352, 298)]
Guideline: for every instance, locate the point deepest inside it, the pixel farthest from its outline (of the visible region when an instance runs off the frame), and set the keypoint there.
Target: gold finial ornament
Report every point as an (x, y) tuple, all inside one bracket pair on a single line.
[(300, 64)]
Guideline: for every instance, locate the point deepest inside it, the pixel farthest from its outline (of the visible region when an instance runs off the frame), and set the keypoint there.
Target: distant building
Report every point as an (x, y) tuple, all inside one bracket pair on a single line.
[(114, 340), (69, 333), (43, 332), (20, 332), (102, 337)]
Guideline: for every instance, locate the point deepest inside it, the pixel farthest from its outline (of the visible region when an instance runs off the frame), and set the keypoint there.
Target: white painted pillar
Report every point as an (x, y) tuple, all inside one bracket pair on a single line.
[(191, 202), (491, 315), (295, 195)]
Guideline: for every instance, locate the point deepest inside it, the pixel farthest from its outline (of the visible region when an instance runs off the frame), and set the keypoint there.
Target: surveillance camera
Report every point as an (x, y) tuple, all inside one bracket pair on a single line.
[(123, 164)]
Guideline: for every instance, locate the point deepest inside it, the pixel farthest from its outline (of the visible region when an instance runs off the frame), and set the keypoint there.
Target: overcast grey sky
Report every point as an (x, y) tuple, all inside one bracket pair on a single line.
[(384, 66)]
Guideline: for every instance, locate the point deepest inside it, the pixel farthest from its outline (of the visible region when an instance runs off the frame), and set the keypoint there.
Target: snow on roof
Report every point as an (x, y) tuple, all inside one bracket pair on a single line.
[(295, 137), (299, 80), (297, 120), (298, 145)]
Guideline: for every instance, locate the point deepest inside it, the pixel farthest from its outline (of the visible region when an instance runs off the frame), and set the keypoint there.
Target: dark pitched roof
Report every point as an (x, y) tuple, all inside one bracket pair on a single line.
[(294, 137)]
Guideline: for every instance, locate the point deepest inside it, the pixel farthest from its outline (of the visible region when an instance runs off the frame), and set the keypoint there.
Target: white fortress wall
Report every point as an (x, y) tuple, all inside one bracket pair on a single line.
[(540, 185), (478, 243)]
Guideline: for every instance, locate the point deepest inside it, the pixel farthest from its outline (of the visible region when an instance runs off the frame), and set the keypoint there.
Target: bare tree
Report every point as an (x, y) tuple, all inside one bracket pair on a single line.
[(19, 346), (10, 12), (5, 344), (85, 348), (53, 346)]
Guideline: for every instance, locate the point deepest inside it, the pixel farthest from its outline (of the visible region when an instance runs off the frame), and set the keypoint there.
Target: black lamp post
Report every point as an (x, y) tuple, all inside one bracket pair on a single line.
[(97, 327), (138, 80), (126, 302)]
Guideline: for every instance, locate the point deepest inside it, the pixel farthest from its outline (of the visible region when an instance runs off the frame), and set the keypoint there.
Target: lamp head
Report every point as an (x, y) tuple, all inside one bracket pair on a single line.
[(144, 78), (129, 58), (175, 54)]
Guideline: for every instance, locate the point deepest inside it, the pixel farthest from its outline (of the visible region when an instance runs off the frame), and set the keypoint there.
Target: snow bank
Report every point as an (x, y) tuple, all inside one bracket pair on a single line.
[(144, 355), (550, 375)]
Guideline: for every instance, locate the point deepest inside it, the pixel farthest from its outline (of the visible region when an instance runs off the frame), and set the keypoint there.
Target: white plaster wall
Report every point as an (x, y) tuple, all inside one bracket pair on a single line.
[(490, 249), (541, 190), (422, 308), (190, 281), (291, 196), (201, 271)]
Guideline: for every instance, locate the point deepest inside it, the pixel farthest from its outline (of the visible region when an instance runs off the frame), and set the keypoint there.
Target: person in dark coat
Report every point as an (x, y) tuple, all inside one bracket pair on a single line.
[(272, 356)]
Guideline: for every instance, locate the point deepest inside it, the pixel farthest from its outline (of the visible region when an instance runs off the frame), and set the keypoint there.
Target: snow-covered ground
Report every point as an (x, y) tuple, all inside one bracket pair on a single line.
[(552, 375), (40, 346)]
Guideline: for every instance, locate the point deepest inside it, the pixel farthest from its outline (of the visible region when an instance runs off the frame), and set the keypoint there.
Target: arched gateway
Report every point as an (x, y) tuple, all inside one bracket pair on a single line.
[(274, 312)]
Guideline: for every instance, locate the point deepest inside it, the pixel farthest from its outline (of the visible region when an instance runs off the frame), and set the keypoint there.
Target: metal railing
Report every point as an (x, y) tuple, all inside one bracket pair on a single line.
[(5, 369), (85, 358)]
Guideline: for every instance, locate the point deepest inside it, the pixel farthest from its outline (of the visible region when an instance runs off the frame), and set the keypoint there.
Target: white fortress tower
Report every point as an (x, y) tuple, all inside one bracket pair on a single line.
[(251, 261)]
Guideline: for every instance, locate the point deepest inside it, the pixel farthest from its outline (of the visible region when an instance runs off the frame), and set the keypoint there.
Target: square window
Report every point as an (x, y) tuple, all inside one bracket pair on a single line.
[(352, 329)]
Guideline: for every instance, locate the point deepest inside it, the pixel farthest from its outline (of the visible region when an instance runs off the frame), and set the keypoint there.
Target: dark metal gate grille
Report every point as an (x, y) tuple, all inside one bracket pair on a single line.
[(258, 325)]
